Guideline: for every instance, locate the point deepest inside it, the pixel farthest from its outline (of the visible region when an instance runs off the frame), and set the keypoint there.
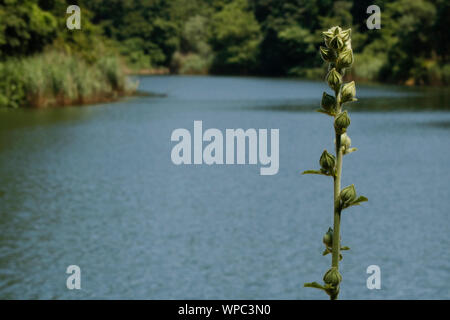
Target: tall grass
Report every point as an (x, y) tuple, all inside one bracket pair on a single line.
[(56, 79)]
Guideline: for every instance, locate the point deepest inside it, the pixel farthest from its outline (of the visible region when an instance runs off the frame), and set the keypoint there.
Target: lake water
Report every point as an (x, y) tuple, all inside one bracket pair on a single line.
[(94, 186)]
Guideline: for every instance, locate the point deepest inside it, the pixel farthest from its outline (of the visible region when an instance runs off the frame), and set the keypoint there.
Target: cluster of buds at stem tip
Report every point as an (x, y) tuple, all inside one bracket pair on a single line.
[(337, 41), (339, 54)]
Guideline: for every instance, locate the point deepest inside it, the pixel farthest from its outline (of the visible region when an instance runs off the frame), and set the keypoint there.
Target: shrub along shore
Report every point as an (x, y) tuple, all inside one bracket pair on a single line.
[(56, 78)]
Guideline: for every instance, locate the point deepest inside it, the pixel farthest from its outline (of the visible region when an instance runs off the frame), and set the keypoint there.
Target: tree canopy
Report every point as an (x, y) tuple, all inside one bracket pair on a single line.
[(265, 37)]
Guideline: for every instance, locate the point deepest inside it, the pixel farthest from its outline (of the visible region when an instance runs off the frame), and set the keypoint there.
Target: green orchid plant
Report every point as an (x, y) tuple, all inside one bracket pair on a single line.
[(338, 53)]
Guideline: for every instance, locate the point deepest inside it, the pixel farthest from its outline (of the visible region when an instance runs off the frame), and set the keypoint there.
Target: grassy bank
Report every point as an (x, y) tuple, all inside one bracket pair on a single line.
[(57, 79)]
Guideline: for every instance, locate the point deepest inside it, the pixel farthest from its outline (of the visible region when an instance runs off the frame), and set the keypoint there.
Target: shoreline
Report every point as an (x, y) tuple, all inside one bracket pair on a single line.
[(166, 72), (60, 100), (147, 72)]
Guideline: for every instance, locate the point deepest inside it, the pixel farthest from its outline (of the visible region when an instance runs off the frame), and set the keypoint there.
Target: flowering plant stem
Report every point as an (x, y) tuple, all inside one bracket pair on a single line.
[(338, 53), (337, 210)]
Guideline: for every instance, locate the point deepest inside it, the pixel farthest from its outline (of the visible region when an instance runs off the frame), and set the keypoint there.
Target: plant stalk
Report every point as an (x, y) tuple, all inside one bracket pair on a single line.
[(337, 210), (337, 190), (338, 53)]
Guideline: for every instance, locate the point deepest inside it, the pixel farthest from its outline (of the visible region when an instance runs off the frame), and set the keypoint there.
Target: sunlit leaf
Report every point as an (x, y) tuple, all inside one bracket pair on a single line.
[(315, 285), (357, 202), (316, 172), (331, 114)]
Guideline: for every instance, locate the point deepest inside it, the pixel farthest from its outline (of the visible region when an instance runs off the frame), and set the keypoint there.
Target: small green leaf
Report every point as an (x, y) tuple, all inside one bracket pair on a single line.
[(315, 172), (345, 248), (356, 202), (359, 200), (312, 172), (326, 251), (315, 285), (329, 113)]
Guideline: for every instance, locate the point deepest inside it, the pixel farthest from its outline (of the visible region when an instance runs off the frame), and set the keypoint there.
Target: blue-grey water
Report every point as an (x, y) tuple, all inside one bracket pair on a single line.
[(95, 186)]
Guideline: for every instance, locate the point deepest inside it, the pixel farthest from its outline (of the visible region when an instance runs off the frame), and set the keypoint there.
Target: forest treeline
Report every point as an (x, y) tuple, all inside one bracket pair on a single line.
[(258, 37)]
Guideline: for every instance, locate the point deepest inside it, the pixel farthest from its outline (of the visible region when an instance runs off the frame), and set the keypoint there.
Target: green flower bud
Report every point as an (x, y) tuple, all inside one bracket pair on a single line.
[(335, 30), (345, 58), (328, 102), (348, 92), (345, 141), (348, 44), (334, 79), (348, 195), (332, 277), (342, 122), (346, 34), (327, 161), (328, 238), (330, 34), (328, 55), (336, 43)]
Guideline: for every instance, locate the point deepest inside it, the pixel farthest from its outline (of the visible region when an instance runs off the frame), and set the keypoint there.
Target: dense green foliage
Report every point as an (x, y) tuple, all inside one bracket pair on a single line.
[(42, 63), (266, 37), (272, 37), (56, 79)]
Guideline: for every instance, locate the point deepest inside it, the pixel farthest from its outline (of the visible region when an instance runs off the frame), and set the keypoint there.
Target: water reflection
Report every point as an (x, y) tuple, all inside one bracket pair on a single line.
[(95, 186)]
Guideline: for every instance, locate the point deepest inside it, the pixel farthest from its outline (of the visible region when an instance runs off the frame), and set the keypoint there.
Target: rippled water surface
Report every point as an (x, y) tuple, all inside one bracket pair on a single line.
[(94, 186)]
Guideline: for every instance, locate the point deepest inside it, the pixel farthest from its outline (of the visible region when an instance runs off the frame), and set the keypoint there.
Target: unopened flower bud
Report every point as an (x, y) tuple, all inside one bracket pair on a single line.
[(345, 141), (332, 277), (327, 161), (327, 54), (348, 195), (328, 238), (345, 58), (330, 34), (335, 30), (328, 102), (334, 79), (342, 122), (348, 92), (346, 34), (336, 43)]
